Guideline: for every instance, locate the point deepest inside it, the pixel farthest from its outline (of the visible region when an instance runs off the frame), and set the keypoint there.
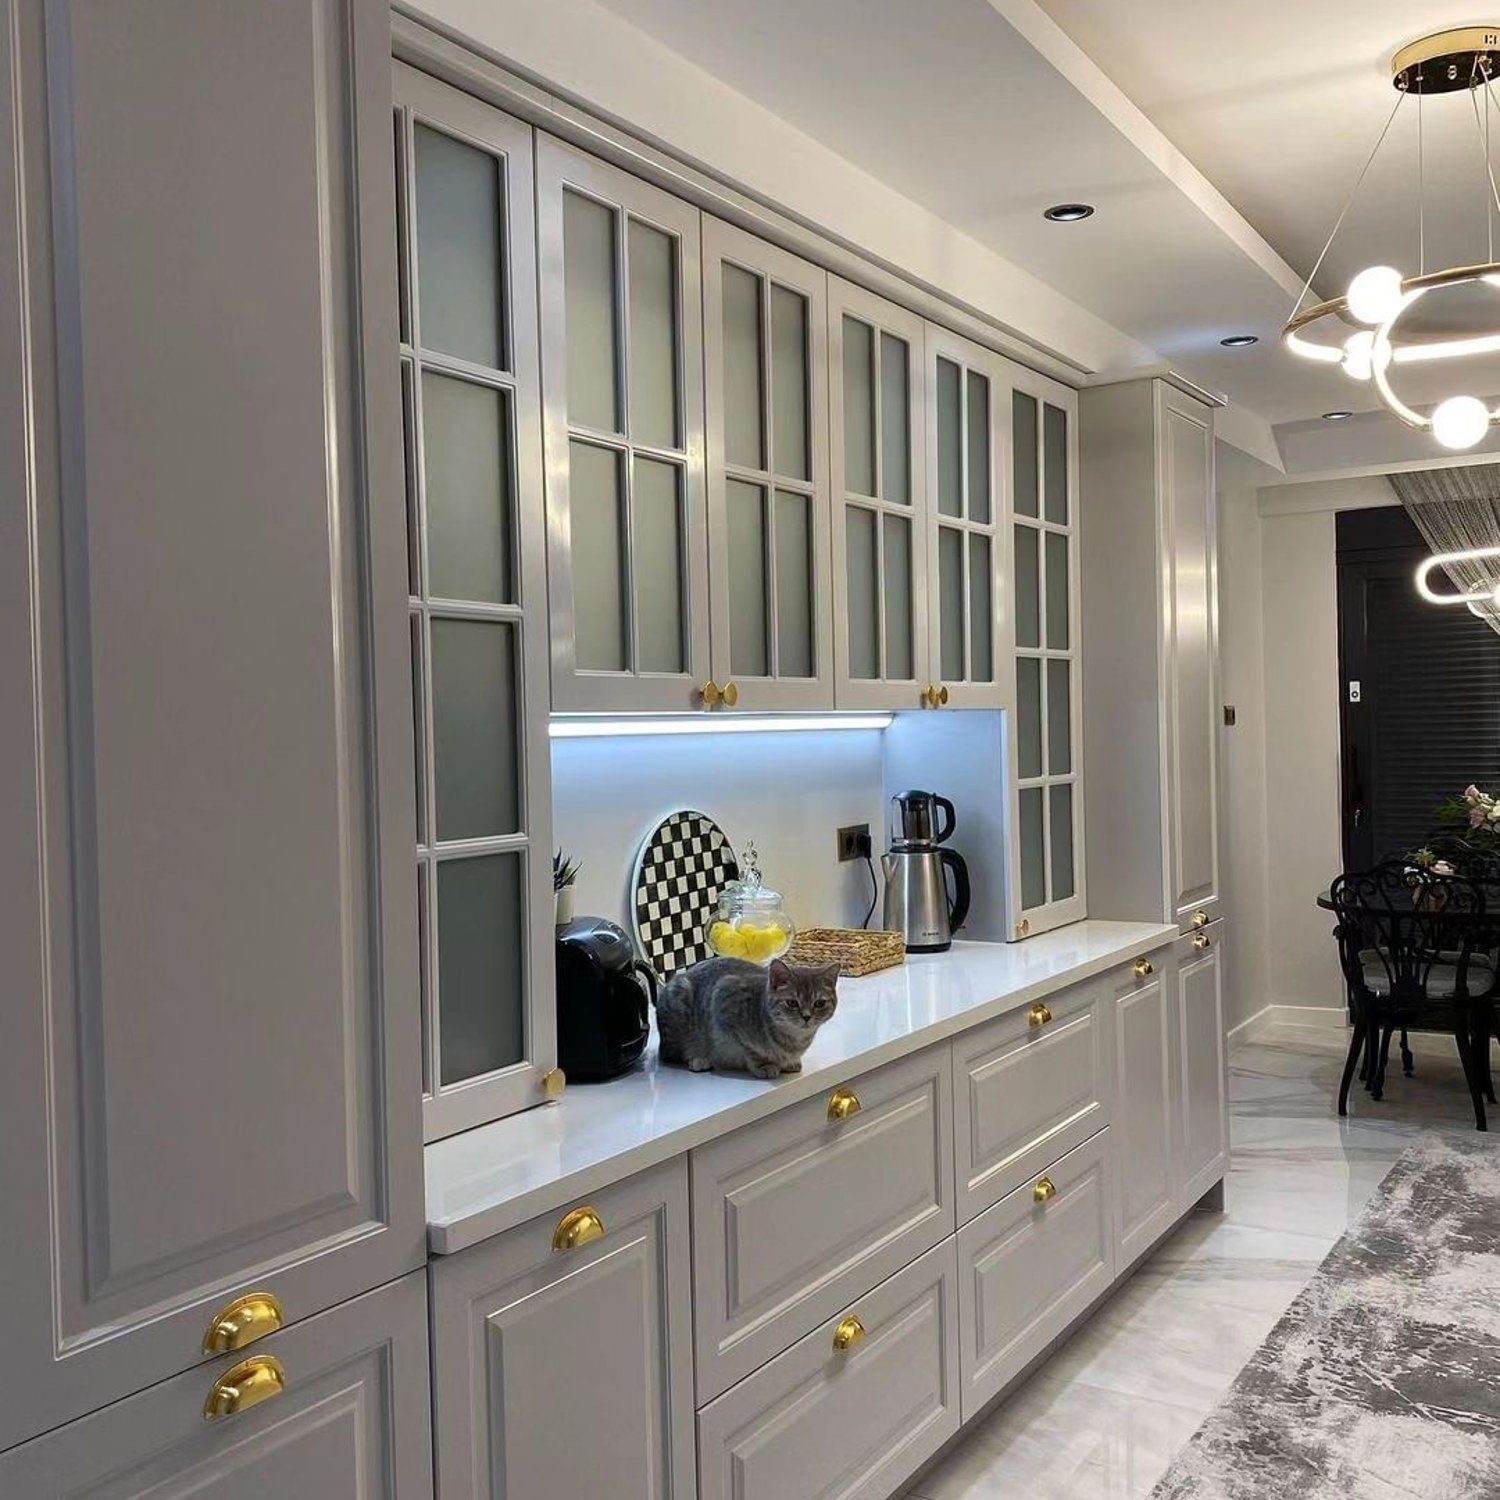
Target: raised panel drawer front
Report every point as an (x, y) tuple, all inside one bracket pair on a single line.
[(1029, 1265), (347, 1419), (562, 1356), (210, 1082), (1029, 1087), (1144, 1127), (1203, 1155), (798, 1214), (852, 1409)]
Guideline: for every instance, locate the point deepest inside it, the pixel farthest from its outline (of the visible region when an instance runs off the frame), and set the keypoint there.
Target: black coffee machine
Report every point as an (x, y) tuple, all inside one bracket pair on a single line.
[(604, 999)]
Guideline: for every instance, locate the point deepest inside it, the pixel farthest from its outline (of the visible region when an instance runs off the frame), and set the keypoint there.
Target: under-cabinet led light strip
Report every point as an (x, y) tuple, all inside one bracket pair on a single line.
[(585, 727)]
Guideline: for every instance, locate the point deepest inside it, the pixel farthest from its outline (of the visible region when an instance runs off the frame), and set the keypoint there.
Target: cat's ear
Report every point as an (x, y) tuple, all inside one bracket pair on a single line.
[(780, 974), (830, 972)]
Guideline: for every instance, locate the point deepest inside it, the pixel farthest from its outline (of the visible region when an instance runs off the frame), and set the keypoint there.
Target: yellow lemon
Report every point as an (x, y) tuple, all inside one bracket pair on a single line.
[(716, 935), (732, 944)]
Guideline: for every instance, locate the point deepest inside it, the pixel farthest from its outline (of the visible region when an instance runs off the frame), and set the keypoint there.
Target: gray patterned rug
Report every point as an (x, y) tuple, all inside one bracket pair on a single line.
[(1382, 1379)]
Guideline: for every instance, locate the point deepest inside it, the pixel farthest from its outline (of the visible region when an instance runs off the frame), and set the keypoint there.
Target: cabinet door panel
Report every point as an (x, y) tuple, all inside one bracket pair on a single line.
[(1144, 1127), (569, 1372), (352, 1422), (769, 527), (211, 1071), (1203, 1154)]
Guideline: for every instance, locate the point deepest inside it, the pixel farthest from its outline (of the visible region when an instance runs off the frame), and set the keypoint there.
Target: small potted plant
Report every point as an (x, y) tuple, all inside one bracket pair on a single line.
[(564, 877)]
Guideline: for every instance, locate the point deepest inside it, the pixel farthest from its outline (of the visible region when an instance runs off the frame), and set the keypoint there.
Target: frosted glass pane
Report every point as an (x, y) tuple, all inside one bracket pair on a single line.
[(951, 602), (950, 439), (864, 589), (460, 242), (749, 652), (419, 720), (981, 621), (474, 728), (1060, 837), (980, 505), (744, 433), (660, 615), (859, 407), (1033, 849), (597, 548), (591, 312), (794, 586), (653, 336), (1059, 719), (895, 421), (899, 661), (1026, 476), (789, 400), (1055, 462), (1028, 592), (409, 475), (1028, 717), (481, 990), (1057, 591), (466, 458)]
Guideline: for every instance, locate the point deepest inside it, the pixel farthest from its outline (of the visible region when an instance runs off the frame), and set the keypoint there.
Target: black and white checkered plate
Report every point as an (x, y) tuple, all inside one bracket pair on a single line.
[(682, 866)]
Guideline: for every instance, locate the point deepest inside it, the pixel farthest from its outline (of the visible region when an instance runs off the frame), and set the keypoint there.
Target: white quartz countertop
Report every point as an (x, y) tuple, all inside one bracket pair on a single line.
[(499, 1175)]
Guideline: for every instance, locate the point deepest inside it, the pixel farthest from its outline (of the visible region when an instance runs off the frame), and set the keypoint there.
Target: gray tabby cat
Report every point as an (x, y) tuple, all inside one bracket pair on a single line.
[(731, 1013)]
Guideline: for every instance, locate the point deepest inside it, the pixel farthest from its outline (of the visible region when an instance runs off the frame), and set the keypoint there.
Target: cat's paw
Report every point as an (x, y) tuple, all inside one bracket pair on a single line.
[(698, 1065), (764, 1070), (795, 1066)]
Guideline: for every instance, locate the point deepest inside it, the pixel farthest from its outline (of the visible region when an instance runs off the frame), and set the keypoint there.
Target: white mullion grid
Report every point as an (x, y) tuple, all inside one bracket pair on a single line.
[(877, 468), (768, 455), (626, 479), (965, 633)]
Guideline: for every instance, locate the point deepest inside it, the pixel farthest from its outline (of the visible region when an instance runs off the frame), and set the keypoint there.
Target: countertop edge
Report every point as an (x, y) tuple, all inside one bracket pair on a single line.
[(447, 1236)]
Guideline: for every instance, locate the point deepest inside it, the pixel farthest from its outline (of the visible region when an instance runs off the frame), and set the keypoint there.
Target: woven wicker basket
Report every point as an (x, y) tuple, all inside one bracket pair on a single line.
[(855, 951)]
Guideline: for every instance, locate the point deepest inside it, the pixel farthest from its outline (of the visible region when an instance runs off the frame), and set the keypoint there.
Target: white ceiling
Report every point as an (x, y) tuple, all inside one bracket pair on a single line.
[(986, 118)]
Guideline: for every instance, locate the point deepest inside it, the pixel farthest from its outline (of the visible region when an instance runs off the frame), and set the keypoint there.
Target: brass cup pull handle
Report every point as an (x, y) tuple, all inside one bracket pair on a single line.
[(1203, 942), (1200, 919), (246, 1319), (731, 694), (843, 1103), (848, 1336), (1144, 968), (246, 1385), (942, 695), (575, 1230), (1038, 1016), (1044, 1191)]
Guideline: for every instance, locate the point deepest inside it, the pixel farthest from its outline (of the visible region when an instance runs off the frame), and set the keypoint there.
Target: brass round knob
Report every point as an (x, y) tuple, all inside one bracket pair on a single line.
[(1200, 919), (848, 1336), (710, 693), (731, 694), (929, 696), (1037, 1016), (1203, 942), (843, 1103), (575, 1230), (1044, 1191), (942, 695), (1023, 927), (554, 1082), (1144, 968)]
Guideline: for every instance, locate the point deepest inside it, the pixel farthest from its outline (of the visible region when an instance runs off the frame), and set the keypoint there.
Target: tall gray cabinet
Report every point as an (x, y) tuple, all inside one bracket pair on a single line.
[(210, 1077)]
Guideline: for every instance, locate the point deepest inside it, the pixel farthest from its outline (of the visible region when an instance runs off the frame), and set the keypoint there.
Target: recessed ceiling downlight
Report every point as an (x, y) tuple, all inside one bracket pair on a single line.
[(1337, 416), (1240, 340), (1068, 213)]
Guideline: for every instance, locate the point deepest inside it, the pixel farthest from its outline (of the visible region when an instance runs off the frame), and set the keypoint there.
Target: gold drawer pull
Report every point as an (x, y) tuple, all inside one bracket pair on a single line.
[(1144, 968), (731, 694), (246, 1319), (848, 1336), (1044, 1191), (710, 692), (246, 1385), (1200, 919), (1037, 1016), (575, 1230), (942, 696), (1203, 942), (843, 1103)]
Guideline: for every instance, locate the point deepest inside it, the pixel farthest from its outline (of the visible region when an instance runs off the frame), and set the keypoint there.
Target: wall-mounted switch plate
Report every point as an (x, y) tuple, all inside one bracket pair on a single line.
[(1354, 691), (1231, 715), (854, 842)]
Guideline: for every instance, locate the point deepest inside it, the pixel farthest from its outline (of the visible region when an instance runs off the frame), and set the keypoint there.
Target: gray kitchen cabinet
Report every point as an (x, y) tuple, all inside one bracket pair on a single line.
[(335, 1408), (562, 1352), (1203, 1077), (211, 1074)]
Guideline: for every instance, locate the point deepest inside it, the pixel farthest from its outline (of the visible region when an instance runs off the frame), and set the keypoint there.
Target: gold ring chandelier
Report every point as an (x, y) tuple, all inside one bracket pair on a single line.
[(1380, 297)]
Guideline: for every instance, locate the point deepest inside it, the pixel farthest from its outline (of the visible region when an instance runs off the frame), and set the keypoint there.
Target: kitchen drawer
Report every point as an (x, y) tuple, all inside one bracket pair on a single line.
[(1028, 1267), (797, 1215), (1028, 1088), (564, 1369), (829, 1425), (352, 1421)]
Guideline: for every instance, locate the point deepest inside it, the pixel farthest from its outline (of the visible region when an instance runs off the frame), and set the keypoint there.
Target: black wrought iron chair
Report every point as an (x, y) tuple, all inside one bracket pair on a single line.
[(1407, 941)]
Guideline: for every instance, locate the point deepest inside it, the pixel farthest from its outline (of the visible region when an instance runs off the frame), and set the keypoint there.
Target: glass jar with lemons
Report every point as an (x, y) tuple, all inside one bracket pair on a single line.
[(751, 921)]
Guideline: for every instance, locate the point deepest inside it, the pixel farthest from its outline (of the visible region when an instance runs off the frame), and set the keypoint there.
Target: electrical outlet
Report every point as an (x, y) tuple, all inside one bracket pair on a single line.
[(854, 842)]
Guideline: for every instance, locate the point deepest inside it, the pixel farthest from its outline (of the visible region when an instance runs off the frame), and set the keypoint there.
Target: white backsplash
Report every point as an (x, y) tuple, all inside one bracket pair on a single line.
[(787, 793)]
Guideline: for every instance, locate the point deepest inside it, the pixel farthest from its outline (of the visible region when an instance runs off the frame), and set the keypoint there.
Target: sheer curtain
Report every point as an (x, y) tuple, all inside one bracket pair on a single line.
[(1456, 509)]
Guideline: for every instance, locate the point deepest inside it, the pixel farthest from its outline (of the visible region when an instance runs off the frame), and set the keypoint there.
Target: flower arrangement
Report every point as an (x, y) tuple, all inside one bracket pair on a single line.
[(1475, 815)]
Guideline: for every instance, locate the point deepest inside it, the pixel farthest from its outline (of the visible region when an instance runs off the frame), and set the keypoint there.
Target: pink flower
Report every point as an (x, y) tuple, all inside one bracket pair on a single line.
[(1442, 867), (1476, 817), (1472, 793)]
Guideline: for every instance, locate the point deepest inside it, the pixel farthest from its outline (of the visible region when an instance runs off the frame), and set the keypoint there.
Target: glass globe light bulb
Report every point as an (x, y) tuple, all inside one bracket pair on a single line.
[(1374, 295), (1460, 421), (1361, 354)]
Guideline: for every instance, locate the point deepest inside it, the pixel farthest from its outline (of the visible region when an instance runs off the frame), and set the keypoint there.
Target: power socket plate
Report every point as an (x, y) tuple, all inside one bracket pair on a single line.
[(854, 842)]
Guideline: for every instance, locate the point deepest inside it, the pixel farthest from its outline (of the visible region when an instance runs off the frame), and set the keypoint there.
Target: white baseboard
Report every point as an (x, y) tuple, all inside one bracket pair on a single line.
[(1326, 1023)]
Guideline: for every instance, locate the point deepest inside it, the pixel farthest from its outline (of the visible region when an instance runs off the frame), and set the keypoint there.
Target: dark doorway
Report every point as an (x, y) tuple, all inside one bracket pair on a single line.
[(1427, 719)]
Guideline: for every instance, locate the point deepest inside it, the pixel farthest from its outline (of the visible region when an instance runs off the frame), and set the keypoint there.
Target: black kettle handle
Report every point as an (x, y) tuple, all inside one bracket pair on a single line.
[(642, 967), (945, 832), (959, 911)]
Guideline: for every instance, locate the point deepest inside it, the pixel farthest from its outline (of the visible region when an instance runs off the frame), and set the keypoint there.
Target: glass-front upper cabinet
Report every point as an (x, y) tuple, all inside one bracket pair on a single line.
[(877, 435), (621, 315), (478, 606), (1045, 741), (967, 557), (769, 526)]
